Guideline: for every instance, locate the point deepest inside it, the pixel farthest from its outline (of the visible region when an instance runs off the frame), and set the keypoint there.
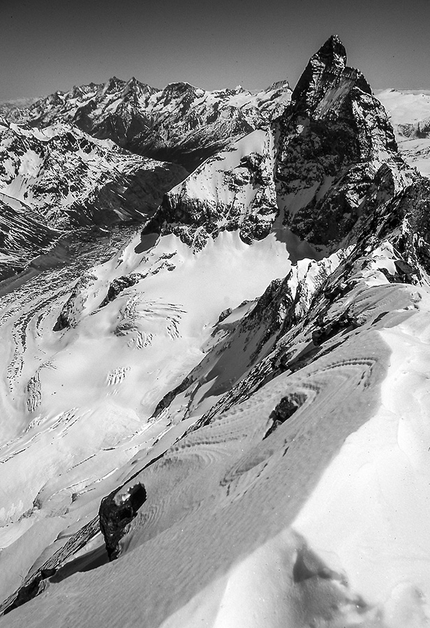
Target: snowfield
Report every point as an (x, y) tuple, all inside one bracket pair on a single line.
[(409, 111), (80, 400), (315, 523)]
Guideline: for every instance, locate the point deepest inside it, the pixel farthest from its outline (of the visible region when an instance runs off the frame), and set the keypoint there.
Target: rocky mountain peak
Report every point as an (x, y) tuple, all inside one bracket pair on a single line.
[(284, 84), (327, 76), (333, 108), (332, 53), (136, 92), (113, 84), (179, 88)]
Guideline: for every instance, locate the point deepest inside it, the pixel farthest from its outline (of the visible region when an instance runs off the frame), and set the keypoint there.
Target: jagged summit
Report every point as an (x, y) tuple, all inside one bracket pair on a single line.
[(327, 75), (284, 84), (332, 52), (333, 139), (113, 84), (180, 123)]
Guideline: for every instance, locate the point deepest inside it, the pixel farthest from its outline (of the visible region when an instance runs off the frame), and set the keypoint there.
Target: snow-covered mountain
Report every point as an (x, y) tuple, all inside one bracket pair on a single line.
[(179, 123), (409, 111), (91, 156), (68, 180), (410, 116), (309, 172), (218, 417)]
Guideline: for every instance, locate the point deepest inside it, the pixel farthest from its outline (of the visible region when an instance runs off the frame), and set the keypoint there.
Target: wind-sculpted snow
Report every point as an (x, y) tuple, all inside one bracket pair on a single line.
[(221, 508), (222, 461), (226, 501)]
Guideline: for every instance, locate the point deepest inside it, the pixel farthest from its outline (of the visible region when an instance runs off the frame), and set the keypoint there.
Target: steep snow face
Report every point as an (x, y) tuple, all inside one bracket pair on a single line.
[(84, 370), (232, 191), (70, 178), (23, 236), (180, 123)]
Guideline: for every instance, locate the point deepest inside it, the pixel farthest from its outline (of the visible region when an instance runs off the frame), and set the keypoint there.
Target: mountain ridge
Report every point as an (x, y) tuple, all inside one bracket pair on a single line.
[(126, 111)]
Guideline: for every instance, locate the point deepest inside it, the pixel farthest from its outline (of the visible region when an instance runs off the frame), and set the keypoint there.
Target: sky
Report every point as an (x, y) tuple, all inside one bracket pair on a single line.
[(53, 45)]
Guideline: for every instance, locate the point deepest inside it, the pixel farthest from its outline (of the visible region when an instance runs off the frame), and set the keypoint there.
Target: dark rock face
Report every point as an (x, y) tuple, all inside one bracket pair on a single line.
[(116, 511), (285, 410), (118, 285), (72, 309), (333, 139), (314, 173), (23, 236), (327, 79), (407, 216)]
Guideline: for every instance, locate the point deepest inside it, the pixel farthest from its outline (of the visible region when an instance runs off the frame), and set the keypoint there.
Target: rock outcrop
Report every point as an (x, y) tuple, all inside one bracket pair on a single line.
[(234, 190)]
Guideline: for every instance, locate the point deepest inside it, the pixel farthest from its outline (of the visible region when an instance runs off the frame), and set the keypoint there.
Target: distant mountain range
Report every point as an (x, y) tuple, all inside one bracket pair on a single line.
[(179, 123)]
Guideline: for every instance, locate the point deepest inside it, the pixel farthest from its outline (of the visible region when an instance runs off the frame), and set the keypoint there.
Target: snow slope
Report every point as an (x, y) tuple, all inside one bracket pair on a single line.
[(92, 387), (410, 115), (260, 524), (69, 178)]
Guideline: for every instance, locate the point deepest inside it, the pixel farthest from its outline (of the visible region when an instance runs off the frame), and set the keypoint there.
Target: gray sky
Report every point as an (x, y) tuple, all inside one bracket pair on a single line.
[(51, 45)]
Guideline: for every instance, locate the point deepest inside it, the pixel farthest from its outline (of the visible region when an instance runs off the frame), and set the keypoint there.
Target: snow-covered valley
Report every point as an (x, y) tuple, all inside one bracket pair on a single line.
[(214, 406)]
